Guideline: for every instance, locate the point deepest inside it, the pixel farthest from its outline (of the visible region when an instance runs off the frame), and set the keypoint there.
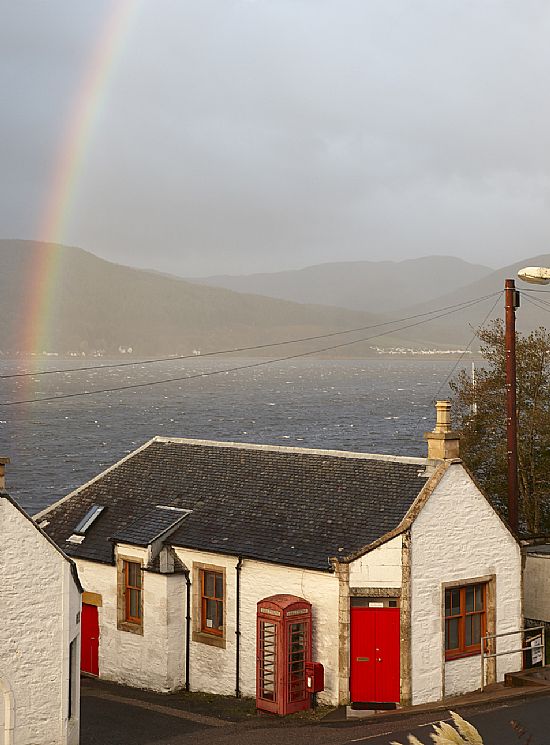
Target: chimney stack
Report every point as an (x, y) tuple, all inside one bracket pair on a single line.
[(443, 443), (3, 463)]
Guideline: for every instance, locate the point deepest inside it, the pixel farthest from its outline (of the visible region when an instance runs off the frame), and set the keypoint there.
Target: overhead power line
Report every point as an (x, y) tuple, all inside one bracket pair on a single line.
[(236, 350), (261, 363), (538, 303), (459, 360)]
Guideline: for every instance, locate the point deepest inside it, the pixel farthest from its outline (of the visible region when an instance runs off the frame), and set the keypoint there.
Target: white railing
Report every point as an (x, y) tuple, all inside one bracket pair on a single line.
[(528, 648)]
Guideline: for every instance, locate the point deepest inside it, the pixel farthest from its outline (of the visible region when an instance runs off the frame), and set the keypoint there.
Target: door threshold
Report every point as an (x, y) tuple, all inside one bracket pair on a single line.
[(376, 705)]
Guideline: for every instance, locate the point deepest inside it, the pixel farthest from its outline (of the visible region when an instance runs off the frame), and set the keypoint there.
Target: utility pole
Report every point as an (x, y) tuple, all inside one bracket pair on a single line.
[(511, 296)]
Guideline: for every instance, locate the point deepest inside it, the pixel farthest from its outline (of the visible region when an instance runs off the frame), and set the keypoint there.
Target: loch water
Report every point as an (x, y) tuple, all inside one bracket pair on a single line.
[(380, 405)]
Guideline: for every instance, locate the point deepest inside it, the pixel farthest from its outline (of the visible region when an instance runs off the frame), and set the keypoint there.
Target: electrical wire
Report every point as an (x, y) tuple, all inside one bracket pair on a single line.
[(540, 304), (238, 368), (236, 350), (459, 360), (464, 352)]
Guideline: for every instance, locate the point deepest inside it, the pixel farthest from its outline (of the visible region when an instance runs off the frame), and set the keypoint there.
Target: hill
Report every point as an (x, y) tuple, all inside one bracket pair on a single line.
[(531, 314), (98, 305), (372, 286)]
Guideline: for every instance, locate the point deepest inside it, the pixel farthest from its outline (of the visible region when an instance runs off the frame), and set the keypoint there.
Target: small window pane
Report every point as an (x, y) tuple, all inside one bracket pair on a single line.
[(135, 611), (479, 597), (476, 629), (469, 599), (209, 584), (455, 609), (219, 609), (134, 574), (451, 640), (219, 586), (211, 614), (468, 631), (214, 614)]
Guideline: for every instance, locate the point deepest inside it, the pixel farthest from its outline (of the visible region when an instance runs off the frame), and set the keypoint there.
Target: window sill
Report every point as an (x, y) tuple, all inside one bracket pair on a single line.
[(210, 639), (132, 628), (462, 655)]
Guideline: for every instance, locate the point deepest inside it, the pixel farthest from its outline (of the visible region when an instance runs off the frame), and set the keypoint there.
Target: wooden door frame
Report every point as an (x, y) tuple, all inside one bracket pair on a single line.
[(382, 593)]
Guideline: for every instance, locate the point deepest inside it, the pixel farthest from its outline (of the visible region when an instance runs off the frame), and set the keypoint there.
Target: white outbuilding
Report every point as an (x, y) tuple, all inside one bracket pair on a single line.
[(201, 562), (39, 633)]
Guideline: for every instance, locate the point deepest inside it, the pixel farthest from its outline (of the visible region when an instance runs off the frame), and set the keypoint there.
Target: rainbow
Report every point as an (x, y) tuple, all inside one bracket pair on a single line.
[(45, 274)]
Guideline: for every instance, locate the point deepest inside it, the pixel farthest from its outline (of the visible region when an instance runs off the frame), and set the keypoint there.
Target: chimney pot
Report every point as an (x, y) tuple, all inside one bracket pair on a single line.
[(443, 416)]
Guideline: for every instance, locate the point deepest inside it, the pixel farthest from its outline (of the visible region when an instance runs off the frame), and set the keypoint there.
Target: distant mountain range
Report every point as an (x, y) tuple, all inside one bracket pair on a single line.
[(98, 305), (372, 286), (407, 288)]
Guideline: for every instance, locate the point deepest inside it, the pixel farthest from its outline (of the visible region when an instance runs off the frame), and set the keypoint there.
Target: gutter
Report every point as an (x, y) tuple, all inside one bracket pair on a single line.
[(238, 568), (187, 626)]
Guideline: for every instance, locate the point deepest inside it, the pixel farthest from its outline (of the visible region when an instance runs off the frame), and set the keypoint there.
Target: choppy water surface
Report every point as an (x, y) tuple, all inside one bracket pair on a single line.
[(379, 405)]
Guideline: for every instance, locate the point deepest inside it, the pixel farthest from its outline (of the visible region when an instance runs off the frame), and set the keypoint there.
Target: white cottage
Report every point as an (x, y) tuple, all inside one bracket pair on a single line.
[(39, 633), (181, 546)]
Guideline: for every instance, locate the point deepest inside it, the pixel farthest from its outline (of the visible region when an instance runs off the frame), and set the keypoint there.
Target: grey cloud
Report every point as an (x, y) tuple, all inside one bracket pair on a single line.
[(243, 136)]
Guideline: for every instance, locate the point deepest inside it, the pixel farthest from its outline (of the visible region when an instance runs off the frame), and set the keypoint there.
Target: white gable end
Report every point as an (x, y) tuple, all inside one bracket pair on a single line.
[(458, 537), (379, 568), (40, 604)]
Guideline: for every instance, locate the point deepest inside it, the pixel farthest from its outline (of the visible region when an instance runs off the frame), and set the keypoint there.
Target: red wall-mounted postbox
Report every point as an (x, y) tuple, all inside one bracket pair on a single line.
[(315, 677), (283, 651)]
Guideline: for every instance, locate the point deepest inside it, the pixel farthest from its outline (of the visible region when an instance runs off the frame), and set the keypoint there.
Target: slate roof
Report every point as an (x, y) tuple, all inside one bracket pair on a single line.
[(150, 526), (291, 506)]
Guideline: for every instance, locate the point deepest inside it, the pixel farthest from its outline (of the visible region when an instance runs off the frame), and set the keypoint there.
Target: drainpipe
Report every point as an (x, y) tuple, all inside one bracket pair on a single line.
[(187, 625), (238, 628)]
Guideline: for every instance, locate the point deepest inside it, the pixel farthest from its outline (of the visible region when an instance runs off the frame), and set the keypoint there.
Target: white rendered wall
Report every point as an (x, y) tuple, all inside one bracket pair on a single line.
[(155, 658), (39, 602), (379, 568), (213, 669), (72, 606), (536, 588), (458, 537)]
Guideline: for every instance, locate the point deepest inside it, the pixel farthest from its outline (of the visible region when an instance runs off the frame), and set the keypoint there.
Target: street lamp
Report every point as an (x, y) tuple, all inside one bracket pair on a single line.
[(537, 275)]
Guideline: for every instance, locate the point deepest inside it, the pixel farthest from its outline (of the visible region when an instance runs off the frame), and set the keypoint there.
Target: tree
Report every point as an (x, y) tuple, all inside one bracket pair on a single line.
[(481, 417)]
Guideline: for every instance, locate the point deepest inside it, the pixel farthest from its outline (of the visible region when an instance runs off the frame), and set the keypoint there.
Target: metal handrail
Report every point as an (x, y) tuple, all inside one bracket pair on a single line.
[(529, 648)]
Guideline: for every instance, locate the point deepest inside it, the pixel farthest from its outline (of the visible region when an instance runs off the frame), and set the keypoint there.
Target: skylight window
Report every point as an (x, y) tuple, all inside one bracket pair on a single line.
[(89, 518)]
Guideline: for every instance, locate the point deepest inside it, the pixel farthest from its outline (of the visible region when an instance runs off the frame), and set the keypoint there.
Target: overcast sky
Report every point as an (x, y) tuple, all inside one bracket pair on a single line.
[(235, 136)]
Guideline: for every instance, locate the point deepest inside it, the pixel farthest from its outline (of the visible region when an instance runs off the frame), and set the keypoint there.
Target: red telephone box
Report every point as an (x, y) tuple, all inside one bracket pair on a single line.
[(283, 650)]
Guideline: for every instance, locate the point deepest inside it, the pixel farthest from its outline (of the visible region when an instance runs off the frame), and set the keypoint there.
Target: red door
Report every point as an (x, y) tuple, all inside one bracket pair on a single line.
[(89, 631), (375, 668)]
